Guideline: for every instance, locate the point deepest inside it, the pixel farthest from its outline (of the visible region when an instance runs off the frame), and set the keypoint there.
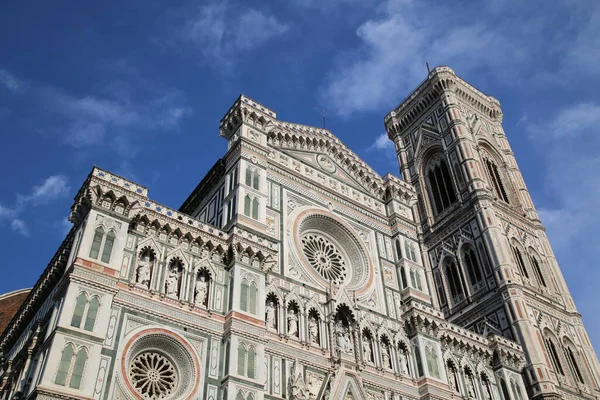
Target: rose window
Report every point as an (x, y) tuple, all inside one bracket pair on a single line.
[(153, 376), (324, 257)]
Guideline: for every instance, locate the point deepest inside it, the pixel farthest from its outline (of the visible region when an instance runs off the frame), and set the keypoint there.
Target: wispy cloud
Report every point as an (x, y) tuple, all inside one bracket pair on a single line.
[(19, 226), (11, 82), (384, 145), (405, 33), (570, 147), (51, 188), (219, 31)]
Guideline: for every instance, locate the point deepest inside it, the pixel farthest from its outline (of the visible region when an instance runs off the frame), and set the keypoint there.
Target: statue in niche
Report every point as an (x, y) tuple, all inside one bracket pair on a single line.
[(271, 315), (201, 290), (292, 323), (172, 280), (144, 271), (313, 330), (343, 338), (470, 388), (487, 393), (366, 345), (403, 362), (385, 356)]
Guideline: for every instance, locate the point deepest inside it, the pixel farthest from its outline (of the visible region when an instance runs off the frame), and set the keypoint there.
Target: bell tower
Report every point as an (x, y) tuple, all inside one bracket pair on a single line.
[(486, 249)]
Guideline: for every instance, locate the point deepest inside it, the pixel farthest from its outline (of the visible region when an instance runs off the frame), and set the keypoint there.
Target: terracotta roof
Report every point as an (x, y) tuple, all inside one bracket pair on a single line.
[(9, 305)]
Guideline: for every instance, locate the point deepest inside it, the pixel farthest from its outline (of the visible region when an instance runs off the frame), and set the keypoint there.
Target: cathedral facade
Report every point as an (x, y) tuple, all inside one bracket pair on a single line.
[(295, 271)]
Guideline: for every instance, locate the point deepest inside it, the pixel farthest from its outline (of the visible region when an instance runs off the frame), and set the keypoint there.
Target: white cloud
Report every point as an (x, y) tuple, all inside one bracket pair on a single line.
[(504, 42), (10, 81), (19, 226), (570, 146), (221, 32), (53, 187), (5, 212)]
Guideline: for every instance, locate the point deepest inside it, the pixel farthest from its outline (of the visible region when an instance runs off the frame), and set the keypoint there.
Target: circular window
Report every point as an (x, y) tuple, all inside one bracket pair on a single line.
[(158, 364), (324, 257), (330, 251), (153, 375)]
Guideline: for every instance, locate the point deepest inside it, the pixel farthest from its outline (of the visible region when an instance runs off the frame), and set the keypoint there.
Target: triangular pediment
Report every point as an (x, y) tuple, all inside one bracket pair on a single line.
[(324, 164), (425, 136)]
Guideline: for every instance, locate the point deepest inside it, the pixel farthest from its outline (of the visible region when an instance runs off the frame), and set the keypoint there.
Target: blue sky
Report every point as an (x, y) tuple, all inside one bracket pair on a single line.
[(139, 88)]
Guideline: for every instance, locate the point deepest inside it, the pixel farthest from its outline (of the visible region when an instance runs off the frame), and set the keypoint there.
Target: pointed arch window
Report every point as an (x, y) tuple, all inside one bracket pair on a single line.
[(441, 186), (248, 297), (241, 362), (252, 178), (87, 309), (255, 205), (415, 279), (520, 262), (398, 249), (71, 367), (537, 271), (239, 396), (473, 267), (454, 281), (246, 365), (104, 241), (551, 348), (440, 288), (496, 181), (573, 365), (403, 278)]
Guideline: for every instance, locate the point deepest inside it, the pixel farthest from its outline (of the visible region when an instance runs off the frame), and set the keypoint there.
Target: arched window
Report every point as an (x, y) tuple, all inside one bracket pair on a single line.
[(249, 397), (252, 178), (403, 278), (77, 373), (248, 297), (505, 394), (454, 281), (572, 361), (108, 246), (241, 364), (96, 242), (255, 205), (79, 310), (70, 368), (440, 288), (441, 186), (64, 366), (247, 206), (239, 396), (99, 238), (551, 349), (92, 312), (516, 390), (415, 279), (226, 362), (432, 362), (520, 262), (248, 177), (473, 268), (495, 180), (537, 271), (251, 362), (398, 249)]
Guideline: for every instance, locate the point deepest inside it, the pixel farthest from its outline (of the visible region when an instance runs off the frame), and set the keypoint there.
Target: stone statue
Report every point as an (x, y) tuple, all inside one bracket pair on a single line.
[(270, 317), (403, 363), (172, 280), (313, 330), (343, 338), (292, 323), (144, 270), (201, 290), (470, 388), (385, 356), (366, 346)]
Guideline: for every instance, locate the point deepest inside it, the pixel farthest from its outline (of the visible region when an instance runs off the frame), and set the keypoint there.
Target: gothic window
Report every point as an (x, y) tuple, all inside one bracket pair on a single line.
[(252, 178), (398, 249), (249, 397), (516, 390), (570, 355), (440, 186), (415, 279), (432, 362), (505, 394), (87, 309), (495, 179), (246, 361), (233, 179), (255, 205), (403, 278), (71, 366), (239, 396), (520, 262), (551, 349), (97, 242), (226, 362), (454, 281), (248, 296), (473, 268), (417, 353), (537, 271), (440, 288)]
